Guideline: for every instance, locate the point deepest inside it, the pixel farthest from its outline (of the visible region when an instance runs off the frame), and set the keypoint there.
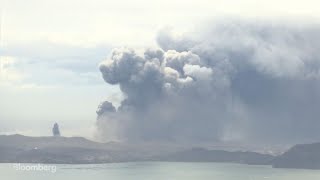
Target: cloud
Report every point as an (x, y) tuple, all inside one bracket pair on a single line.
[(105, 107), (8, 71), (51, 64), (258, 81)]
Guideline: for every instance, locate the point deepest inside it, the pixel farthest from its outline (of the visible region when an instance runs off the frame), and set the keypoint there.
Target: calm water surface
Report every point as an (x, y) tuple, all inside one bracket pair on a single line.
[(158, 171)]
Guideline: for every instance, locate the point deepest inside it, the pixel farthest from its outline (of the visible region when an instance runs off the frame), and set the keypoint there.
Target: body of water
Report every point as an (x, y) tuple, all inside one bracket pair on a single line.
[(152, 171)]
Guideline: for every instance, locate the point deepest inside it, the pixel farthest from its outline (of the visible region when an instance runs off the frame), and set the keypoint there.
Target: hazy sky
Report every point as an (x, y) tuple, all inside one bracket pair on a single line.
[(50, 51)]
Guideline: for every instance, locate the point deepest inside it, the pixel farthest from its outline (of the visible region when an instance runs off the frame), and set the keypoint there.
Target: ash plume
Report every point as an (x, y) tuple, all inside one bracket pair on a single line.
[(236, 81)]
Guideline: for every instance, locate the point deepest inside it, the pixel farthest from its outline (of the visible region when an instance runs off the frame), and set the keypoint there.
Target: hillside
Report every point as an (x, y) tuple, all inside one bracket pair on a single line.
[(303, 156), (77, 150), (204, 155)]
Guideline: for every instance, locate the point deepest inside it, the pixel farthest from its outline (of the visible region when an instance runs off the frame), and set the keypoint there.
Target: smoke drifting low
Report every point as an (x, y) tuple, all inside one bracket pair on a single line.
[(234, 81)]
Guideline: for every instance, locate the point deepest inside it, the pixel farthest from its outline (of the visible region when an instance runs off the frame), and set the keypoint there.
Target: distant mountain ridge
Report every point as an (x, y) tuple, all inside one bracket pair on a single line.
[(301, 156), (78, 150), (72, 150), (204, 155)]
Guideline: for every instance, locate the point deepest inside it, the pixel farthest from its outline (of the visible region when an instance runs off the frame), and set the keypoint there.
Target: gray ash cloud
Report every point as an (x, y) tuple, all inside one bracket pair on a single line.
[(236, 81)]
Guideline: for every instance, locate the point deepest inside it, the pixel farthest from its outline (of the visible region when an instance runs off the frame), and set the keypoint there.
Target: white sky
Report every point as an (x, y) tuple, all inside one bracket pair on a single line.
[(50, 51), (88, 22)]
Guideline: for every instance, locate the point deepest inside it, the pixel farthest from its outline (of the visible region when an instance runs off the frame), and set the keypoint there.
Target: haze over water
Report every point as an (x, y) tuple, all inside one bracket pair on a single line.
[(161, 171)]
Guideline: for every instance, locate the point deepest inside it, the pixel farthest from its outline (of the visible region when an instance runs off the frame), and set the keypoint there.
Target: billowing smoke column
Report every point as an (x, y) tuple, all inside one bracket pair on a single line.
[(56, 130), (234, 81)]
